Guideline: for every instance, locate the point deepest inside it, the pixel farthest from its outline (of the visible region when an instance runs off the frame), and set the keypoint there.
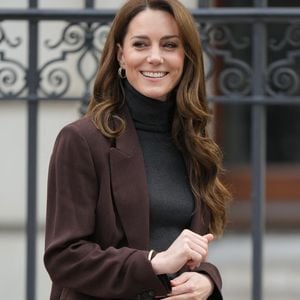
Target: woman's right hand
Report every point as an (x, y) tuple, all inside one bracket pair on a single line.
[(189, 249)]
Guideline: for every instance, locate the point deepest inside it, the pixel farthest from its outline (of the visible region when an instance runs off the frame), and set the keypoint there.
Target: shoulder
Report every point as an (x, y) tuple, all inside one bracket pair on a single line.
[(83, 126), (83, 131)]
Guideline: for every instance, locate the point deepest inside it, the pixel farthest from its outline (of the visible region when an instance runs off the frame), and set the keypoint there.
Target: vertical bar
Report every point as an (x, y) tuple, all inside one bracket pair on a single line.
[(258, 144), (203, 3), (89, 3), (86, 97), (31, 201), (31, 228), (258, 198)]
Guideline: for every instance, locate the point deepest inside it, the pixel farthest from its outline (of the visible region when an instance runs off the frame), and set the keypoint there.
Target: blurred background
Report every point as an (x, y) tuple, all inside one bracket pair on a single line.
[(252, 58)]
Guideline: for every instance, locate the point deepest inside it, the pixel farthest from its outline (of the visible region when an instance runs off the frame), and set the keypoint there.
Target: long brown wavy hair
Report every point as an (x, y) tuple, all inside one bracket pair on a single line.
[(189, 129)]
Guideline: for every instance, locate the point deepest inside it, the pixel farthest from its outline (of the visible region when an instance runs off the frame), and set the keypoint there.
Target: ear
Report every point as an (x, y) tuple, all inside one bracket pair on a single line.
[(120, 55)]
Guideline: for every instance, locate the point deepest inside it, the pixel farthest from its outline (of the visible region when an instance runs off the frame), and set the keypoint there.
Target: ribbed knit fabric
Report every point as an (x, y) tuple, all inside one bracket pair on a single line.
[(171, 200)]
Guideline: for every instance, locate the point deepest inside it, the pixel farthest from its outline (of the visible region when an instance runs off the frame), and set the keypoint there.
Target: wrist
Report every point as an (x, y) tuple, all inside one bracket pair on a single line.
[(209, 284), (158, 263)]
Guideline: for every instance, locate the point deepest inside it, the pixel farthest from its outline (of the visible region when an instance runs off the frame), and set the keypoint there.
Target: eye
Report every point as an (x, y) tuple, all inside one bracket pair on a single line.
[(171, 45), (139, 44)]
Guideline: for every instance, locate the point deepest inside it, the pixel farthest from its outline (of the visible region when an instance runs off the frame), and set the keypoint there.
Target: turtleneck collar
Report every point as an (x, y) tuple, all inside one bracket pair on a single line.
[(149, 114)]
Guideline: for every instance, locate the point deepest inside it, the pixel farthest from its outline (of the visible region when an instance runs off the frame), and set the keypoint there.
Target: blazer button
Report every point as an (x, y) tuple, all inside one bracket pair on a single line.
[(151, 294)]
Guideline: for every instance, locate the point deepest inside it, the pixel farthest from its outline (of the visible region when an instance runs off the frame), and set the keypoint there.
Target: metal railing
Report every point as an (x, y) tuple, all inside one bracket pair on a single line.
[(257, 82)]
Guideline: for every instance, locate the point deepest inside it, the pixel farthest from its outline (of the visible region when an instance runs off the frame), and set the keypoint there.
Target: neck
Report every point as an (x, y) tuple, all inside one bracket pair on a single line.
[(148, 113)]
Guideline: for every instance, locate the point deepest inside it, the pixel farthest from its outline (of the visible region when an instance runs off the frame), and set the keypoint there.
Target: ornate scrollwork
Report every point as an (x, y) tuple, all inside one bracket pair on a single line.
[(4, 38), (233, 75), (73, 34), (58, 82), (100, 33), (291, 37), (11, 70), (283, 78), (282, 73), (235, 79), (221, 35), (8, 76), (85, 40)]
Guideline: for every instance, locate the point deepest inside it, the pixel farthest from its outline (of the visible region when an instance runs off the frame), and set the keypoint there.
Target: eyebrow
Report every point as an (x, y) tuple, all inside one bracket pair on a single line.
[(146, 37)]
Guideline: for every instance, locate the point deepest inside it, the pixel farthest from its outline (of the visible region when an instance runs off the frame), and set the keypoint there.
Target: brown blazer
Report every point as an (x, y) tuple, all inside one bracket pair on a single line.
[(97, 224)]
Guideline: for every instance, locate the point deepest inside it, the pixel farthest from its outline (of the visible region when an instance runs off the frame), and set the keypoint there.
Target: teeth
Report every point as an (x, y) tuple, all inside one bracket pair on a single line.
[(154, 74)]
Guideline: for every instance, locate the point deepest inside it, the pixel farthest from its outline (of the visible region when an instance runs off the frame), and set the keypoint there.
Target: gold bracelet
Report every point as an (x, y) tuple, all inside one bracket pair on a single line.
[(151, 254)]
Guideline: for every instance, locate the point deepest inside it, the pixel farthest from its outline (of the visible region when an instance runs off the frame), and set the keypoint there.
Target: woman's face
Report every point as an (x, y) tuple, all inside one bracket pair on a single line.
[(152, 53)]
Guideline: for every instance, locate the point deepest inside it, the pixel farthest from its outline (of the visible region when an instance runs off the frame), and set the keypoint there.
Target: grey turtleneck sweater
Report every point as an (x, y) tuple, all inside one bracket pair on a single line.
[(171, 200)]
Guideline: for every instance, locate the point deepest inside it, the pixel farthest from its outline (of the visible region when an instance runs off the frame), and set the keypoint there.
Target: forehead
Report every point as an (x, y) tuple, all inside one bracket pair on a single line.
[(152, 22)]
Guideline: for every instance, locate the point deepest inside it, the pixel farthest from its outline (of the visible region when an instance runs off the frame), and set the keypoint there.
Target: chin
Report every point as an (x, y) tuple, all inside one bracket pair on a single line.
[(156, 95), (161, 97)]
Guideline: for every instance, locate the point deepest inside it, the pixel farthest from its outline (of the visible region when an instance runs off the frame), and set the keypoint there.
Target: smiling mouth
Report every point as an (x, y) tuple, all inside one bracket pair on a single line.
[(154, 74)]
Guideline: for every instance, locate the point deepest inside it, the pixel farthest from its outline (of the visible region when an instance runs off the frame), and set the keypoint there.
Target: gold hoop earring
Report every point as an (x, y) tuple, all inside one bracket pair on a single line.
[(122, 73)]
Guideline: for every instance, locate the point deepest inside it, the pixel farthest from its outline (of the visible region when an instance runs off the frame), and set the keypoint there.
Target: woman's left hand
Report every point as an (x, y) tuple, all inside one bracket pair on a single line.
[(191, 285)]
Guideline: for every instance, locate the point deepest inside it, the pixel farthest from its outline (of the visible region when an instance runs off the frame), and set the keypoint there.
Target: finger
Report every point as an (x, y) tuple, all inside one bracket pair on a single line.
[(195, 261), (197, 237), (210, 237), (182, 289), (182, 278), (194, 257), (182, 284), (178, 297), (198, 286), (192, 265), (198, 252), (196, 244)]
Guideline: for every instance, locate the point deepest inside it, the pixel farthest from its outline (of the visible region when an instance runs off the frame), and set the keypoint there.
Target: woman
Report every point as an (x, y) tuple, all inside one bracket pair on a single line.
[(139, 172)]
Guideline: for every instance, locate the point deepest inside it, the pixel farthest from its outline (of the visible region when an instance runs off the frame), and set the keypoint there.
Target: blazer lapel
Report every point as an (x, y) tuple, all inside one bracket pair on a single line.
[(129, 185)]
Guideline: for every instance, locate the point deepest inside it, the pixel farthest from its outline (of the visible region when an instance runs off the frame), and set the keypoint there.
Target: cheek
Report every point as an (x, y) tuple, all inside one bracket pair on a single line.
[(132, 60), (179, 68), (179, 62)]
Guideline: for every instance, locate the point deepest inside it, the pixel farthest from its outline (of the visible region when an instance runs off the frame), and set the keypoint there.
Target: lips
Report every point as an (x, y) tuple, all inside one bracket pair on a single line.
[(154, 74)]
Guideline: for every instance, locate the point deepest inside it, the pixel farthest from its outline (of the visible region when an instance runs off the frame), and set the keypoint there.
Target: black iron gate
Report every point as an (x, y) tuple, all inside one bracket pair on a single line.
[(255, 80)]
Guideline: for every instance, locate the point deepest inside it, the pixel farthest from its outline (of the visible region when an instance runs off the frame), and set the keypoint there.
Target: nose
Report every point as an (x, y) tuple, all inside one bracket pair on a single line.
[(155, 56)]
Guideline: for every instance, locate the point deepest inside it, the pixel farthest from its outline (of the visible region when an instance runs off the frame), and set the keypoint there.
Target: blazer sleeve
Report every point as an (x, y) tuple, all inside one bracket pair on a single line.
[(207, 268), (213, 273), (72, 259)]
